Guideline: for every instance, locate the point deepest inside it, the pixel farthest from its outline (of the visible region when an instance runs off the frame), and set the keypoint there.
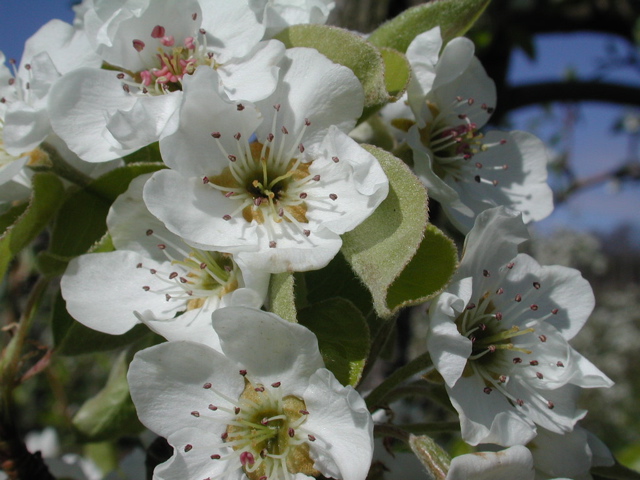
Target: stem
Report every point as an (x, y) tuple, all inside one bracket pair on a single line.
[(15, 459), (378, 394), (62, 168)]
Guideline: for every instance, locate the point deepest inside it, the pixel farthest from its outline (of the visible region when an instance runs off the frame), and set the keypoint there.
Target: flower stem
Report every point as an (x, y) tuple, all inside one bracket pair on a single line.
[(378, 394)]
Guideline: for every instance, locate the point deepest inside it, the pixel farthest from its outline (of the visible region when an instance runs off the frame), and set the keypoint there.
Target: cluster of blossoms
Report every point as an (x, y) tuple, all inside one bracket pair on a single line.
[(257, 176)]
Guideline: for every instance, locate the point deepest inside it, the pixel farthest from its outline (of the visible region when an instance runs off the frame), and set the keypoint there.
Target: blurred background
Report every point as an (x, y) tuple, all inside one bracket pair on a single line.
[(567, 71)]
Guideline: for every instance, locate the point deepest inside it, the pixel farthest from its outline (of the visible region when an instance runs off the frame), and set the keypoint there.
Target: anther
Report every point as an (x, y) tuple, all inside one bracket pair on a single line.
[(333, 196), (161, 246), (149, 232), (471, 306), (303, 412), (303, 195), (195, 413), (503, 141), (550, 405), (520, 402), (188, 447), (478, 165), (559, 364), (477, 178), (306, 232), (518, 298), (215, 134), (259, 389), (243, 372), (517, 360), (554, 311), (232, 158), (307, 122), (194, 16), (202, 31), (138, 45), (284, 130), (212, 407), (158, 31), (126, 88), (224, 436), (205, 180), (316, 178), (240, 107), (291, 432), (536, 285), (215, 456), (120, 76), (173, 275), (139, 265), (539, 375), (534, 307), (270, 137), (247, 457), (311, 438), (487, 390), (277, 107), (146, 288), (494, 183), (533, 362), (272, 244), (498, 316), (276, 384), (226, 217), (500, 291), (264, 421), (203, 266), (206, 386), (543, 338), (486, 273), (510, 265), (502, 378), (335, 159), (237, 136), (167, 297)]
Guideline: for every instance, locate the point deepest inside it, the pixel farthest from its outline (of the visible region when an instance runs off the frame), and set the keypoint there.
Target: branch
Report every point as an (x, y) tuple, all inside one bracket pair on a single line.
[(521, 96)]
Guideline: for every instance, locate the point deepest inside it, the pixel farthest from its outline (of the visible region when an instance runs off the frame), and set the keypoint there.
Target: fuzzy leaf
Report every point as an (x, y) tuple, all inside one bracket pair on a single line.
[(46, 198), (282, 300), (454, 17), (397, 72), (348, 49), (343, 337), (111, 413)]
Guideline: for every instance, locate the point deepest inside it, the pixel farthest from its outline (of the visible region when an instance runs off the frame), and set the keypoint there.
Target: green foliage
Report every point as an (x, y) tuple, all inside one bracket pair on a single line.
[(454, 17), (402, 260), (343, 337), (72, 338), (45, 200), (397, 72), (282, 300), (111, 413), (71, 237)]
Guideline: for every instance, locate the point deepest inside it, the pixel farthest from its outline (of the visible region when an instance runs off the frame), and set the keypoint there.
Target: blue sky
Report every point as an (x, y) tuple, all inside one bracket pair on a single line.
[(594, 148)]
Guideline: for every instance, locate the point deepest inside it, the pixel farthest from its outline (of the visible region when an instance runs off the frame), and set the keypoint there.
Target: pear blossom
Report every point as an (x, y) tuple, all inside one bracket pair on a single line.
[(149, 48), (155, 278), (498, 336), (451, 99), (512, 463), (277, 182), (262, 408), (276, 15), (569, 455)]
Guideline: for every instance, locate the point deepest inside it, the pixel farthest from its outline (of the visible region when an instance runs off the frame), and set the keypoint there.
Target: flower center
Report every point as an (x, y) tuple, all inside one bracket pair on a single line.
[(502, 350), (454, 140), (196, 277), (265, 430), (173, 62)]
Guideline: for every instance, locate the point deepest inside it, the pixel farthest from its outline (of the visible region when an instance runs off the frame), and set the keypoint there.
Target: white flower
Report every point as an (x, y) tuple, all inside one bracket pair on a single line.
[(55, 49), (570, 455), (499, 334), (149, 48), (509, 464), (174, 287), (467, 171), (264, 408), (276, 183), (276, 15)]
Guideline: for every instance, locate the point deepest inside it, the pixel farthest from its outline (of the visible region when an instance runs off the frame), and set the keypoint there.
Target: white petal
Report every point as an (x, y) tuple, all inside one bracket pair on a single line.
[(265, 344), (343, 428), (80, 104), (513, 463), (95, 280), (166, 384), (239, 75)]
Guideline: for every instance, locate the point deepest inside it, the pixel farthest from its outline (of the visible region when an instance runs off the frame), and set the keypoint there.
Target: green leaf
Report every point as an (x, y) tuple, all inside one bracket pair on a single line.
[(150, 153), (10, 216), (428, 272), (45, 200), (116, 182), (111, 413), (434, 459), (380, 247), (454, 17), (282, 300), (346, 48), (397, 72), (343, 337), (82, 219), (72, 338)]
